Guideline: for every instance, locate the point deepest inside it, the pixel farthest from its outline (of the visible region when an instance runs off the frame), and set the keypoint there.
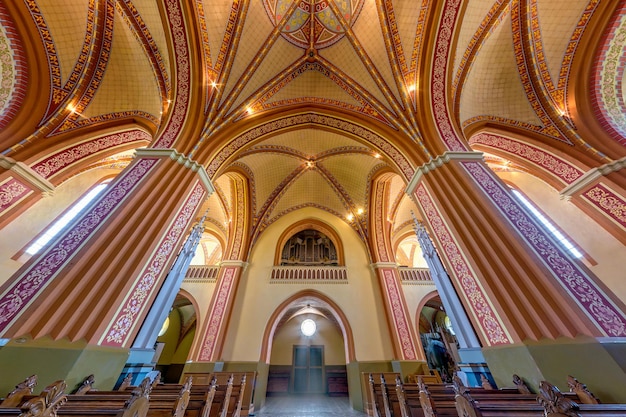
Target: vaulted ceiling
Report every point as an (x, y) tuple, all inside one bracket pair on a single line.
[(376, 65)]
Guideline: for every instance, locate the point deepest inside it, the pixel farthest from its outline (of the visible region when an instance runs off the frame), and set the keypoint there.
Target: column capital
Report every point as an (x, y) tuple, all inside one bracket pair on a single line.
[(181, 159), (234, 263), (435, 163), (383, 265), (591, 176), (26, 173)]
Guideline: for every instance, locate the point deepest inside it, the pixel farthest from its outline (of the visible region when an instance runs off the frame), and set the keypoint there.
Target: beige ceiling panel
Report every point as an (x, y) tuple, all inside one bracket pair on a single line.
[(67, 25), (225, 188), (343, 56), (352, 172), (557, 20), (407, 15), (216, 14), (311, 141), (254, 36), (281, 56), (314, 84), (368, 32), (309, 189), (475, 12), (216, 211), (269, 169), (149, 12), (493, 86), (403, 215), (397, 188), (129, 82)]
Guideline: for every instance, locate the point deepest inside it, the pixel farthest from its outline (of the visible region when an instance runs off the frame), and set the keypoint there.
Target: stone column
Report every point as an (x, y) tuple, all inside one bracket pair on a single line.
[(207, 356), (472, 360), (141, 359), (78, 305), (536, 311)]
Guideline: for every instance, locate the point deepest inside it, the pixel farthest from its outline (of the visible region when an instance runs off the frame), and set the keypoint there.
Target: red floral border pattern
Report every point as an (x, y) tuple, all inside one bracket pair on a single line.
[(120, 329)]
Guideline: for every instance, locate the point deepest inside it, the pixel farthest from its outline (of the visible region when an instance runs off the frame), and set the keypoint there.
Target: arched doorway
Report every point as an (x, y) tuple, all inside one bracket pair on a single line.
[(175, 339), (308, 364), (438, 338)]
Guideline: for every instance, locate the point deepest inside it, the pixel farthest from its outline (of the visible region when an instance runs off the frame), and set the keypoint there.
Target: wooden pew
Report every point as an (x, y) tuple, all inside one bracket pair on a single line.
[(366, 390), (53, 402), (170, 403), (247, 406), (439, 399), (550, 403), (135, 405), (85, 385), (14, 398)]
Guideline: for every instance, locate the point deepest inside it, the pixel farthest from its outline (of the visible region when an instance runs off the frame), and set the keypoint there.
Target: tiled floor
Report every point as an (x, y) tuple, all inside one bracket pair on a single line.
[(308, 406)]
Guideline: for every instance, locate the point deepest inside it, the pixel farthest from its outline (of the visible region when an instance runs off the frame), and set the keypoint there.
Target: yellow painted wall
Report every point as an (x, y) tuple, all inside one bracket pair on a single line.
[(170, 338), (257, 299), (201, 293), (607, 251), (414, 294), (327, 335), (17, 234)]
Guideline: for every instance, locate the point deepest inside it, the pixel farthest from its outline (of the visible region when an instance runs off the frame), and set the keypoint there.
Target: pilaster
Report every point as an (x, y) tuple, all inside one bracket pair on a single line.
[(403, 336), (220, 309)]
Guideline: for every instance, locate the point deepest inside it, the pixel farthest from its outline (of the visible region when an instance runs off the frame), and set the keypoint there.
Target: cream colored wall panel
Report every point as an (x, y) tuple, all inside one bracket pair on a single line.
[(343, 56), (314, 84), (404, 212), (557, 21), (607, 251), (254, 36), (225, 188), (17, 234), (129, 82), (282, 55), (397, 188), (311, 141), (309, 189), (257, 299), (149, 11), (369, 33), (475, 12), (67, 25), (493, 86), (270, 170), (414, 295)]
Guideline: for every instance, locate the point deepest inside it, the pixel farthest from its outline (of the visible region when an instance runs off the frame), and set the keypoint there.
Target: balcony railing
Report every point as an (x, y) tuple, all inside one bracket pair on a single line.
[(415, 275), (315, 274), (202, 273)]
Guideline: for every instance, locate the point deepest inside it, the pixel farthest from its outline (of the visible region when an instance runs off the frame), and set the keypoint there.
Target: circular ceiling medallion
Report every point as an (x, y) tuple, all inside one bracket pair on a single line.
[(313, 19)]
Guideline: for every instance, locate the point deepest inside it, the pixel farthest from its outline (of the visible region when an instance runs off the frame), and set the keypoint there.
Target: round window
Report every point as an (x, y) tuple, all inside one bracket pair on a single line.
[(308, 327)]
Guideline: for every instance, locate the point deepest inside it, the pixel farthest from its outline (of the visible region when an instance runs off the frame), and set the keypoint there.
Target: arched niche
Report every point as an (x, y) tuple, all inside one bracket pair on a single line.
[(177, 337), (437, 336)]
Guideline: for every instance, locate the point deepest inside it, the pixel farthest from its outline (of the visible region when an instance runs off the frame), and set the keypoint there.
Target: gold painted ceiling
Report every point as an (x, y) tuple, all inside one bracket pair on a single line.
[(520, 69)]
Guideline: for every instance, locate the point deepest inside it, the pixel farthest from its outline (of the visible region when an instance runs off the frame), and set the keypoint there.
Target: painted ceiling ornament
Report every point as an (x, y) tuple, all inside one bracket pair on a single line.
[(313, 22)]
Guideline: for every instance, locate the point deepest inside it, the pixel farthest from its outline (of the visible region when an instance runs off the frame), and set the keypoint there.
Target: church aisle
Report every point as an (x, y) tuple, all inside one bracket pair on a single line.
[(308, 406)]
